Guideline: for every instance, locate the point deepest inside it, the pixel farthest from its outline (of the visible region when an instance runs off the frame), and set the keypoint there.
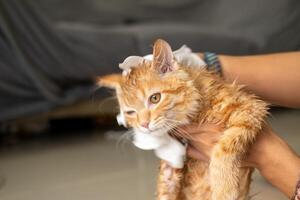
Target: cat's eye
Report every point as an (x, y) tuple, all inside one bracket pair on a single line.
[(155, 98), (130, 112)]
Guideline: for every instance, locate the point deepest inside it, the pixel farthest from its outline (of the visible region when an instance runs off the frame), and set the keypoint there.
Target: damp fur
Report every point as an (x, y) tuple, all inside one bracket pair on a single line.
[(190, 95)]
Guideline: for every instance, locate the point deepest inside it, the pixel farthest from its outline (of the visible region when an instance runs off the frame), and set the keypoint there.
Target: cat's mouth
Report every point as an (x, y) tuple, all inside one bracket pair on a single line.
[(150, 131), (157, 131)]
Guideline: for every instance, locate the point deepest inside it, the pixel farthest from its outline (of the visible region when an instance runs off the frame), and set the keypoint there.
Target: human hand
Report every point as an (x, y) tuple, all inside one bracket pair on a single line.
[(205, 136), (202, 139), (270, 154)]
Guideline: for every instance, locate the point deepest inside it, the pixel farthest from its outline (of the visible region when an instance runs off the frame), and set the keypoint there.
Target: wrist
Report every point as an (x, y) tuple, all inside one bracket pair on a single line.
[(266, 146), (282, 173), (277, 162), (231, 67), (212, 62)]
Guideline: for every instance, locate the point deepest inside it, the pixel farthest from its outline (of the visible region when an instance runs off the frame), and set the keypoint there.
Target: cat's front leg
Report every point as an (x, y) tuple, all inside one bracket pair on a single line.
[(169, 182), (224, 168), (223, 173)]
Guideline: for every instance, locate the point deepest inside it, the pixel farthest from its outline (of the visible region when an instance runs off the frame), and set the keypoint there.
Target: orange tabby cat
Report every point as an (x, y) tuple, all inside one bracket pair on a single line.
[(161, 94)]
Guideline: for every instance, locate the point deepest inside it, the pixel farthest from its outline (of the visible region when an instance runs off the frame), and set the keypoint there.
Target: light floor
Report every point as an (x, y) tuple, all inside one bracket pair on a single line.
[(94, 166)]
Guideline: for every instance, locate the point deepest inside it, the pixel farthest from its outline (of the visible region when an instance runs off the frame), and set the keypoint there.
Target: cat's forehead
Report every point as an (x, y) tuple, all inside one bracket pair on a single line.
[(140, 91), (140, 77), (135, 90)]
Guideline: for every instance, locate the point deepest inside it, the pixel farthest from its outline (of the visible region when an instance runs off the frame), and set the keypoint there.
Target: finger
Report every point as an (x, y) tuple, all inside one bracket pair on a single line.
[(194, 153)]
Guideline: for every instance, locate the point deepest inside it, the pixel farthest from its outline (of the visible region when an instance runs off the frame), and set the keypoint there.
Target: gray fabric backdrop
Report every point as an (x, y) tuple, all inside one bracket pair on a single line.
[(51, 49)]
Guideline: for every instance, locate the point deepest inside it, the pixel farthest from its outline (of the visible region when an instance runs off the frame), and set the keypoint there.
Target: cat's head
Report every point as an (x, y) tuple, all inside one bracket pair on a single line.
[(155, 96)]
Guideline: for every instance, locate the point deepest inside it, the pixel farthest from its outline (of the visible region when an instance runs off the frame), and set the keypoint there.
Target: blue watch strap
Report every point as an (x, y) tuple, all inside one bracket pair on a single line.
[(212, 61)]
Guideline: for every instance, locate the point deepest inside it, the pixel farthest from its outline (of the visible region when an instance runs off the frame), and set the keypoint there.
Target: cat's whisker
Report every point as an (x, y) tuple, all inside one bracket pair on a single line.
[(157, 121), (129, 138), (176, 125), (178, 111), (179, 134), (174, 120), (172, 123), (175, 130), (125, 137), (178, 131), (196, 77)]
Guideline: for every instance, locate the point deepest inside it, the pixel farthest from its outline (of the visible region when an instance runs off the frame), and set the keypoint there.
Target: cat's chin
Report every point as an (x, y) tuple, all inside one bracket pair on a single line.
[(159, 132)]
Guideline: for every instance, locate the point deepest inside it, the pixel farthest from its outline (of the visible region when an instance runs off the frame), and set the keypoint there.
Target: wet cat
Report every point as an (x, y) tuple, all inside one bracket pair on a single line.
[(157, 96)]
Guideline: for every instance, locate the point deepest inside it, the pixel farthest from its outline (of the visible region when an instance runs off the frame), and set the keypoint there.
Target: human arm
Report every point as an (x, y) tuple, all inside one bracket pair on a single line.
[(271, 155), (273, 77)]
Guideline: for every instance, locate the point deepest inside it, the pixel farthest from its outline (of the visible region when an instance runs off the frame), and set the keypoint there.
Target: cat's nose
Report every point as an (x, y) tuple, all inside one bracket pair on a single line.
[(145, 124)]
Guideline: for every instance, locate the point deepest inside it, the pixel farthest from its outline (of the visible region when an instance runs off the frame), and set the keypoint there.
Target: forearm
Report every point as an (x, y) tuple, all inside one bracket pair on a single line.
[(277, 162), (274, 77)]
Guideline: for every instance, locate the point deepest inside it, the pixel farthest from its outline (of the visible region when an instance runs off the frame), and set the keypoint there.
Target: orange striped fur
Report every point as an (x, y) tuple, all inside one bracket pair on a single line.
[(194, 95)]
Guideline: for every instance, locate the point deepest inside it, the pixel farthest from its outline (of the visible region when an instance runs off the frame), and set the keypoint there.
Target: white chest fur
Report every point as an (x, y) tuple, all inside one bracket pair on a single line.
[(165, 147)]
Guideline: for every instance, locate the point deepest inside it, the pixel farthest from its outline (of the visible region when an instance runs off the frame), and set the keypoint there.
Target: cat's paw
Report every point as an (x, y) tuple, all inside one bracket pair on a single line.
[(224, 176)]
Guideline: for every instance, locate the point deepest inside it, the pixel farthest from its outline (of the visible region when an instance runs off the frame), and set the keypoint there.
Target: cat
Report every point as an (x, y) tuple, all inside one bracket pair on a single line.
[(159, 95)]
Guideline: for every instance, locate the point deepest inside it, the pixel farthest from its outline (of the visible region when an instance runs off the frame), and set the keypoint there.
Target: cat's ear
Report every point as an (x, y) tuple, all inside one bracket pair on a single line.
[(162, 57), (112, 81)]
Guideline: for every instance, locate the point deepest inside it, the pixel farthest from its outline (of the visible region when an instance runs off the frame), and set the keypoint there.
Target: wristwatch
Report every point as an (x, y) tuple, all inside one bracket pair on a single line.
[(213, 63)]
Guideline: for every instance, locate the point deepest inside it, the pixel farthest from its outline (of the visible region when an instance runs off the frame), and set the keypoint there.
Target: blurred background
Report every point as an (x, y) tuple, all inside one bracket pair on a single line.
[(58, 135)]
